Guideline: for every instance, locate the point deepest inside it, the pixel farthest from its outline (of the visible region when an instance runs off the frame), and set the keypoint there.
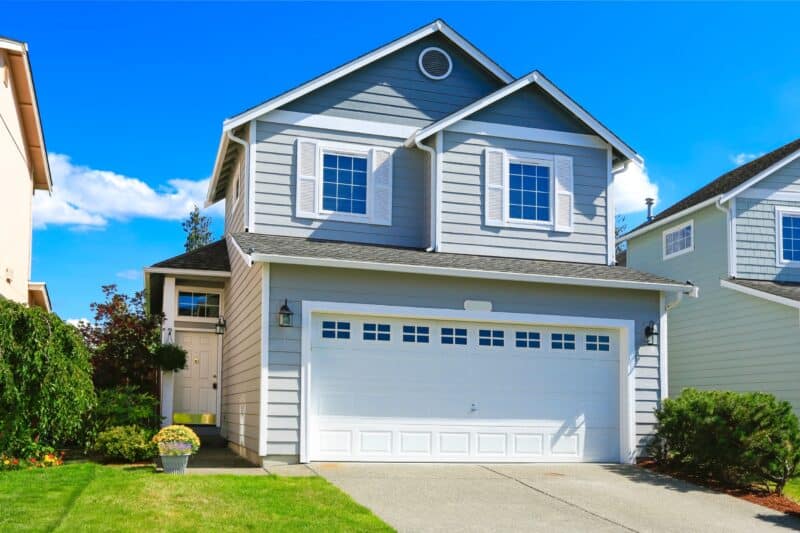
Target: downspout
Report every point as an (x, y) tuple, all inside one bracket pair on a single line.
[(729, 246), (246, 161), (434, 180)]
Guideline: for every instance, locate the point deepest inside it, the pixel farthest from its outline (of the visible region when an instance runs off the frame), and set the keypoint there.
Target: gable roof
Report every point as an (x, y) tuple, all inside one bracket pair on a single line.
[(223, 159), (540, 80), (28, 110), (724, 187), (213, 257), (785, 293)]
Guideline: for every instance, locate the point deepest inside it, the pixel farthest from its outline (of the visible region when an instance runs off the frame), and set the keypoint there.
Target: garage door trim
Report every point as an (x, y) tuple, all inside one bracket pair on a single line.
[(627, 380)]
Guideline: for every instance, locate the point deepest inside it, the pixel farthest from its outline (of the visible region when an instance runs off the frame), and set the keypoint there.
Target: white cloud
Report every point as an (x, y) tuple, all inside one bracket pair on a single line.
[(131, 273), (631, 187), (742, 158), (84, 197), (77, 321)]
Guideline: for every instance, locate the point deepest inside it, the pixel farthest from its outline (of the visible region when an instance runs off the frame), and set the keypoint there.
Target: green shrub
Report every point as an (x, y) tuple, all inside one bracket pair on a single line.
[(125, 443), (126, 405), (45, 380), (170, 357), (741, 438)]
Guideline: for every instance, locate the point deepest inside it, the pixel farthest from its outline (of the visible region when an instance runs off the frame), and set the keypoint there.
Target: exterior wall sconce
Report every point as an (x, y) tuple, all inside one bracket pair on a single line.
[(651, 333), (219, 327), (285, 315)]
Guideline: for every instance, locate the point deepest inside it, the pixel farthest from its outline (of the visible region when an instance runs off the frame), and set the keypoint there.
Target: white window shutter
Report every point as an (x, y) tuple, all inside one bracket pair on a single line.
[(307, 179), (381, 184), (494, 196), (564, 209)]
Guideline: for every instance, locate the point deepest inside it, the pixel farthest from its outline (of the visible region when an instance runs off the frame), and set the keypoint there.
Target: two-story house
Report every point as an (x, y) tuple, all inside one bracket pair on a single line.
[(738, 239), (417, 266), (23, 171)]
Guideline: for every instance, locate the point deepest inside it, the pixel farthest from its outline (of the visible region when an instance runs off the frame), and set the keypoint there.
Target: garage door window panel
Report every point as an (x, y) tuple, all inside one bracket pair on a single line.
[(528, 339), (562, 341), (420, 334), (377, 332), (457, 336), (598, 343), (491, 337), (332, 329)]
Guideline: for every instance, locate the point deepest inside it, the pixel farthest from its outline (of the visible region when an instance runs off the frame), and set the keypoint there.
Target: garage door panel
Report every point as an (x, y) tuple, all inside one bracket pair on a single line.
[(417, 401)]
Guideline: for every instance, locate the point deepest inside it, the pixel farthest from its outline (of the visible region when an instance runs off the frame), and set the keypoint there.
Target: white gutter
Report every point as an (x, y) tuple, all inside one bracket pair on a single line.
[(434, 189), (246, 162), (669, 219), (187, 272), (470, 273)]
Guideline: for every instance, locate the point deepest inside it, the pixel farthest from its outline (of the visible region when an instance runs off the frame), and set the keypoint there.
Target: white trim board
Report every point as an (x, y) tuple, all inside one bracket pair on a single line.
[(780, 212), (539, 79), (769, 194), (351, 125), (352, 66), (760, 176), (263, 415), (759, 294), (627, 382), (507, 131), (468, 273)]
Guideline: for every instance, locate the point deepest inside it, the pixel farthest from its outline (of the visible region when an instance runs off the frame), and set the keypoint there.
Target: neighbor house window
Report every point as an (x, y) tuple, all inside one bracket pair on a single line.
[(416, 334), (454, 336), (598, 343), (491, 337), (377, 332), (789, 236), (198, 304), (332, 329), (529, 192), (562, 341), (344, 184), (679, 240)]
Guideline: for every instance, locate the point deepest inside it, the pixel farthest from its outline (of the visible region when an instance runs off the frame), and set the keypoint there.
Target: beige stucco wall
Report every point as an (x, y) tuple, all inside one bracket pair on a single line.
[(15, 197)]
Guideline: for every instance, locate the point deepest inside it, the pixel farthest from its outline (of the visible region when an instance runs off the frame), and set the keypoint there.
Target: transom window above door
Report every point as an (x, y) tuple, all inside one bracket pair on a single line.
[(198, 304), (529, 192), (344, 183)]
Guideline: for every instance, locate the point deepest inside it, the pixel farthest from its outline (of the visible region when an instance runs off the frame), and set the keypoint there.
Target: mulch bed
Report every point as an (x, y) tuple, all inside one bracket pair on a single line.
[(754, 495)]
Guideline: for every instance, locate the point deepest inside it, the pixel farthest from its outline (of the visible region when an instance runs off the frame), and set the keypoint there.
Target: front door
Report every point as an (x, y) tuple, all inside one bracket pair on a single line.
[(196, 385)]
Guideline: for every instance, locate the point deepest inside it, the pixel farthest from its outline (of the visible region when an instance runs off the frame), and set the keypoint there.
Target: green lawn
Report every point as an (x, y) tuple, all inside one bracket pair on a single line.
[(91, 497), (792, 489)]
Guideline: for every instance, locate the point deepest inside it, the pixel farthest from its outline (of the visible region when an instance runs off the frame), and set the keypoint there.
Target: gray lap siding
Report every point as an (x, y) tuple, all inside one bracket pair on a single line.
[(298, 283)]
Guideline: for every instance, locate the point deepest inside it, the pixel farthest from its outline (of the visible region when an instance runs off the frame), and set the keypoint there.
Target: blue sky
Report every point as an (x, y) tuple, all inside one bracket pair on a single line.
[(132, 98)]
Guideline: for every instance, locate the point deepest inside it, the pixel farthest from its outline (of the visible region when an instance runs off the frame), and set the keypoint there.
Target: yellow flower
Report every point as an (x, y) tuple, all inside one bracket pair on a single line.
[(6, 462)]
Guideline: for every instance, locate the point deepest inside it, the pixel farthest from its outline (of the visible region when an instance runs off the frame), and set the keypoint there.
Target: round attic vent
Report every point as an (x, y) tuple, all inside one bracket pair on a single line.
[(435, 63)]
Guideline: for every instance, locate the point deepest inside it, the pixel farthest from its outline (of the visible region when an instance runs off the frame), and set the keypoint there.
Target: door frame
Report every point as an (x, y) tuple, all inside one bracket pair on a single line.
[(219, 370), (627, 353)]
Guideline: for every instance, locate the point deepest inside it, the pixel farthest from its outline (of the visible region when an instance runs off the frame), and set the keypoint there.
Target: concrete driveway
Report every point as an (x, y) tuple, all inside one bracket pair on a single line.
[(460, 497)]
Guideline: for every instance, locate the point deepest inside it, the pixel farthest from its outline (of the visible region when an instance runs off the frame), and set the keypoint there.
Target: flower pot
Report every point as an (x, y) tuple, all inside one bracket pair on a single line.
[(174, 464)]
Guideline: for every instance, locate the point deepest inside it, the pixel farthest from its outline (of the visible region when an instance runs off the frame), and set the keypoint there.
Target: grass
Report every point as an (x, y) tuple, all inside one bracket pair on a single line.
[(91, 497), (792, 489)]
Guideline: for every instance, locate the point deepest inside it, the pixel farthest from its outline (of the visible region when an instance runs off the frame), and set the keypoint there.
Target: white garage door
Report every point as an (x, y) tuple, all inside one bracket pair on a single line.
[(427, 390)]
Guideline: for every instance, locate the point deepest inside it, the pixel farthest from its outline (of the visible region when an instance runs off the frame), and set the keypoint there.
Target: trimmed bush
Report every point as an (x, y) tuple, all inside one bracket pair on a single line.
[(45, 380), (170, 357), (125, 443), (740, 438)]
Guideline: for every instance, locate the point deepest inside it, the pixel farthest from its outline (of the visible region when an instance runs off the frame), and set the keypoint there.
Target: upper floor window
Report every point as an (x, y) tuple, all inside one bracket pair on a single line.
[(344, 183), (788, 235), (198, 304), (529, 192), (678, 240)]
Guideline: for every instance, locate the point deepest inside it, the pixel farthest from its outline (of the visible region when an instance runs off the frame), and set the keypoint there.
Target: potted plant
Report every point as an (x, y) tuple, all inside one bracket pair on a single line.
[(175, 445)]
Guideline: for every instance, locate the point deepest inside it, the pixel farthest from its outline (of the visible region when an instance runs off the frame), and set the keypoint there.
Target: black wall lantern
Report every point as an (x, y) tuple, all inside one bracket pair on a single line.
[(219, 327), (651, 333), (285, 315)]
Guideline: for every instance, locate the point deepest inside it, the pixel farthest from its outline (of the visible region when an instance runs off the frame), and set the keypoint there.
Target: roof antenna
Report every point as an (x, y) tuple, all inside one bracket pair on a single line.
[(649, 203)]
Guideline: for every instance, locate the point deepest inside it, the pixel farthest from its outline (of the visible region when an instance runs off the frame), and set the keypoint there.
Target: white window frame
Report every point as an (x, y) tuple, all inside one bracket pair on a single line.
[(673, 229), (541, 160), (207, 290), (351, 150), (780, 212)]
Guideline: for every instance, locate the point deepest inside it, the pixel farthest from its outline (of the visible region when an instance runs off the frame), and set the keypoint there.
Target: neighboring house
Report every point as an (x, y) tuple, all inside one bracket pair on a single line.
[(738, 240), (23, 170), (443, 235)]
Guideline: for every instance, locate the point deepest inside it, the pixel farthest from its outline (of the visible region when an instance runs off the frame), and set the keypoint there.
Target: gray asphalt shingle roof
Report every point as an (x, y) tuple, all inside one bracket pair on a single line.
[(776, 288), (213, 256), (300, 247), (727, 182)]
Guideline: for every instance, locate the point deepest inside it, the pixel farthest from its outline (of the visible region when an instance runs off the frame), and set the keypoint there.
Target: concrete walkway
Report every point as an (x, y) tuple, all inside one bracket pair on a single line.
[(459, 497)]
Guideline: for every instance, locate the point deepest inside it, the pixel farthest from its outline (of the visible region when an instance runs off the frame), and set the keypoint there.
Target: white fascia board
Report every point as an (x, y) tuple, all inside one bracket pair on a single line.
[(760, 176), (506, 131), (212, 186), (669, 219), (325, 122), (759, 294), (13, 46), (469, 273), (187, 272), (365, 60)]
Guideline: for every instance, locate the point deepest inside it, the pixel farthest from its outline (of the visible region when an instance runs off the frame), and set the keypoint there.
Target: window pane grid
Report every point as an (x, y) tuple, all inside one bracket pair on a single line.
[(791, 237), (678, 240), (598, 343), (377, 332), (420, 334), (332, 329), (562, 341), (528, 339), (454, 336), (529, 192), (344, 184), (198, 304), (491, 337)]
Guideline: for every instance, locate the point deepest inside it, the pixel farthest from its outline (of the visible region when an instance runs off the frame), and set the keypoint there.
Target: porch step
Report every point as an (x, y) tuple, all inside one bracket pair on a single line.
[(209, 436)]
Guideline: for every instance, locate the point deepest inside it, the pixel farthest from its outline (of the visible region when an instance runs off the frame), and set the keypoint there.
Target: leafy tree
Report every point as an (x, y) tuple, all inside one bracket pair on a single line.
[(197, 230), (122, 340), (620, 227), (45, 380)]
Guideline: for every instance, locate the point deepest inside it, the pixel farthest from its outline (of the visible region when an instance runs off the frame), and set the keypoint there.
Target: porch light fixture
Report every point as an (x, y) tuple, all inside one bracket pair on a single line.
[(651, 333), (219, 327), (285, 315)]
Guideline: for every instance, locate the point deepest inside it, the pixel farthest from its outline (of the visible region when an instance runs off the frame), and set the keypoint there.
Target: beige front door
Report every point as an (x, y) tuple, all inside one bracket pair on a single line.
[(196, 385)]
